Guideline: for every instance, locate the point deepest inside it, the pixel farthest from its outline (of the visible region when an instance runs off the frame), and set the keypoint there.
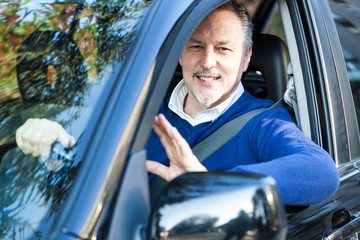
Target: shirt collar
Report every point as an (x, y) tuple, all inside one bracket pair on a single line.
[(177, 98)]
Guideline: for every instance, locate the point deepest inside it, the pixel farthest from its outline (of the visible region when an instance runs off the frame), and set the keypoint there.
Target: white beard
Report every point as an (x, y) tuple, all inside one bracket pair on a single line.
[(206, 101)]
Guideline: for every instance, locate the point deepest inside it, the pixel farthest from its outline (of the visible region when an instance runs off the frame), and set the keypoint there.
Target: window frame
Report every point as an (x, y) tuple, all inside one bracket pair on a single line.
[(324, 73)]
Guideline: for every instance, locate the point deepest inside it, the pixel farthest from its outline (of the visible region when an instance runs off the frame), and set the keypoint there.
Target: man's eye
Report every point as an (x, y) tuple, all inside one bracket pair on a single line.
[(224, 49), (196, 47)]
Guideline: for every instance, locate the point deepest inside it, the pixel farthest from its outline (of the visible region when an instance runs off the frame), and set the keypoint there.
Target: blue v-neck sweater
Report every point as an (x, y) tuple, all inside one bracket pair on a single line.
[(269, 144)]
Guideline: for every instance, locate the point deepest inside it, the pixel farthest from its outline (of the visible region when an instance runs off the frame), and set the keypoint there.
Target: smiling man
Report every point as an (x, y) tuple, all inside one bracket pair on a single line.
[(213, 61), (211, 94)]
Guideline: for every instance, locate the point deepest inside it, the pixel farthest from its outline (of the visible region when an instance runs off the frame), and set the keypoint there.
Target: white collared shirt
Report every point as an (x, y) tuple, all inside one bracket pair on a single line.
[(177, 98)]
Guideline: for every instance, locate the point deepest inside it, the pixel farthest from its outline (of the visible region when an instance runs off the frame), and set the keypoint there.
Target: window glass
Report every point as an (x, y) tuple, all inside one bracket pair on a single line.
[(251, 6), (253, 80), (275, 25), (346, 14), (56, 57)]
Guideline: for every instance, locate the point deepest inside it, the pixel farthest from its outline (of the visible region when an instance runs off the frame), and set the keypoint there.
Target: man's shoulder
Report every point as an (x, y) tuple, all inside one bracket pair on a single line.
[(268, 117), (247, 102)]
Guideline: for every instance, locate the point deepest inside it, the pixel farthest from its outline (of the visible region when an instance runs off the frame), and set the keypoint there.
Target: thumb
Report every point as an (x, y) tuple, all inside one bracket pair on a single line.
[(157, 169), (66, 139)]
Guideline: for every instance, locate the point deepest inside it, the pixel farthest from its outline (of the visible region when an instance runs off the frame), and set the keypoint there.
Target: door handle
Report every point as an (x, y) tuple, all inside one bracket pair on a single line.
[(349, 231)]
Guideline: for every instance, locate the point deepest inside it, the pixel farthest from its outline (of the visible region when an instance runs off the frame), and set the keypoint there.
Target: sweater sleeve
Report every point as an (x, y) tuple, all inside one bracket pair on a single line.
[(305, 173)]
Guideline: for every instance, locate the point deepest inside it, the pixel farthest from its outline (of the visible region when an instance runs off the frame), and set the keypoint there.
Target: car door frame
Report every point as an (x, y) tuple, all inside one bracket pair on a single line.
[(116, 118), (324, 72)]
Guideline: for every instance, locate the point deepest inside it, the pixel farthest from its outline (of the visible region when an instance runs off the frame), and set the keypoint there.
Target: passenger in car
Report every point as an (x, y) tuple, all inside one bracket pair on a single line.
[(210, 95)]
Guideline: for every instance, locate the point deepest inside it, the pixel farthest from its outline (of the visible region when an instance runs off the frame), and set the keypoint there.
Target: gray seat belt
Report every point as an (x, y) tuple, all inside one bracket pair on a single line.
[(222, 135), (213, 142)]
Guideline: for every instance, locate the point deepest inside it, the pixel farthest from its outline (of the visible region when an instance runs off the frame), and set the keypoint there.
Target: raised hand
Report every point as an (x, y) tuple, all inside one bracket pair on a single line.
[(181, 157)]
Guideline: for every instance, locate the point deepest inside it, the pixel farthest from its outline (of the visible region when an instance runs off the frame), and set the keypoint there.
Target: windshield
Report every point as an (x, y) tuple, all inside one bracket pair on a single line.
[(56, 57)]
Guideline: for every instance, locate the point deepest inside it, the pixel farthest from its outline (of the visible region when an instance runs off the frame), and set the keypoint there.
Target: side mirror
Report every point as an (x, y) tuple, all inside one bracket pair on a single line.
[(219, 206)]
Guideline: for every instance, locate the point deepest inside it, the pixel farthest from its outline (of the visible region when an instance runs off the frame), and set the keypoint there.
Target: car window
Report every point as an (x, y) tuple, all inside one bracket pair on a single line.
[(346, 15), (275, 25), (56, 58)]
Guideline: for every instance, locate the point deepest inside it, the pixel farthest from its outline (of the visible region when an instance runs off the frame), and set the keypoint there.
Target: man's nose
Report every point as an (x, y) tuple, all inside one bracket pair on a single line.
[(208, 60)]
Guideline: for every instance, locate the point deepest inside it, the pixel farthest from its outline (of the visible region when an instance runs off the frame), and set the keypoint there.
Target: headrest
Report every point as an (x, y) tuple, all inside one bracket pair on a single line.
[(270, 57)]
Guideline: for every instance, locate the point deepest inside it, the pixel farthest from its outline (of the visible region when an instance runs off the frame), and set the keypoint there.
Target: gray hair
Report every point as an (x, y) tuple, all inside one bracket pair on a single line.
[(244, 16)]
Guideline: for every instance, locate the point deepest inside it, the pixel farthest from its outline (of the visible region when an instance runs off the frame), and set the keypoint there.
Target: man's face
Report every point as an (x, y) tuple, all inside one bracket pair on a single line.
[(213, 60)]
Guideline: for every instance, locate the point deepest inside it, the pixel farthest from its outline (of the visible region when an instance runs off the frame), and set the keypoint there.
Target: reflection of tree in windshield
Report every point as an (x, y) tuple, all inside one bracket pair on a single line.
[(103, 31), (26, 183)]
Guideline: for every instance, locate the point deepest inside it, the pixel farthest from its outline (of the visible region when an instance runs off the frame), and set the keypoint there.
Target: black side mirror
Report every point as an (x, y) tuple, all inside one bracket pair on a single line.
[(219, 206)]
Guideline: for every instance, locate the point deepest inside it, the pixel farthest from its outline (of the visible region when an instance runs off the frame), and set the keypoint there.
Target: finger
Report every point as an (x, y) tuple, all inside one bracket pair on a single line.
[(66, 139), (172, 134), (179, 140), (159, 129), (187, 159), (175, 145), (179, 144), (166, 143), (164, 138), (165, 125), (57, 133), (172, 148), (157, 169)]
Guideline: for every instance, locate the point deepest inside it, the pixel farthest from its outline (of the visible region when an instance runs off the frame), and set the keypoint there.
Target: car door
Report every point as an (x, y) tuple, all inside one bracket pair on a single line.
[(316, 80), (327, 115)]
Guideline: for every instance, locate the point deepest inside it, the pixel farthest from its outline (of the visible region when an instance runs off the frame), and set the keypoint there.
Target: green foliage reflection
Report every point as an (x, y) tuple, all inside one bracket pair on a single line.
[(102, 30), (31, 194)]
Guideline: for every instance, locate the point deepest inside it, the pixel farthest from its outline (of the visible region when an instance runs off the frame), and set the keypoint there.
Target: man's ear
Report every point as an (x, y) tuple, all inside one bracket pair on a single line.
[(180, 61), (247, 59)]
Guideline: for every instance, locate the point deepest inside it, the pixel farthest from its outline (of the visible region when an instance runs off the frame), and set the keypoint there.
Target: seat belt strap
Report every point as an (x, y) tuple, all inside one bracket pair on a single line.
[(222, 135)]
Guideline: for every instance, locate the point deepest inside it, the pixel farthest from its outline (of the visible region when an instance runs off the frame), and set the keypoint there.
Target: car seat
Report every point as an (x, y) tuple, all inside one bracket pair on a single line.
[(267, 75)]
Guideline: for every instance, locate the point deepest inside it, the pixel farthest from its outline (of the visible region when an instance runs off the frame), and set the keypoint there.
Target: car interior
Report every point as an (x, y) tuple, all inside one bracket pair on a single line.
[(270, 58)]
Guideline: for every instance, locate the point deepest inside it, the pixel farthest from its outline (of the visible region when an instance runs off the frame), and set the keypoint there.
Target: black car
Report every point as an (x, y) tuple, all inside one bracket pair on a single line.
[(102, 68)]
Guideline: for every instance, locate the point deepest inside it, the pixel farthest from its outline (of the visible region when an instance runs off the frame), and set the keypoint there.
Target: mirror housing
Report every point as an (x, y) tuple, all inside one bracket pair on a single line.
[(219, 206)]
